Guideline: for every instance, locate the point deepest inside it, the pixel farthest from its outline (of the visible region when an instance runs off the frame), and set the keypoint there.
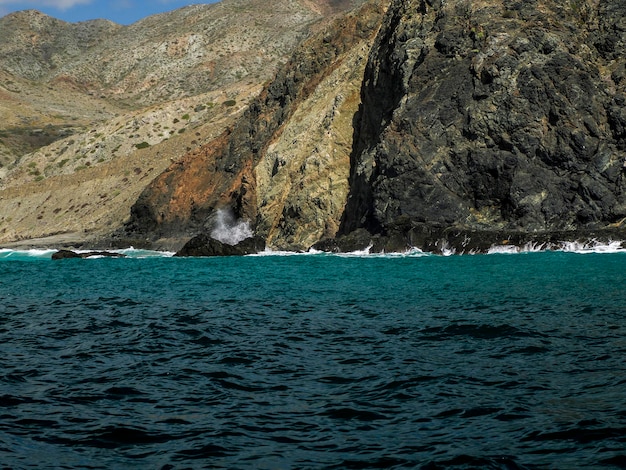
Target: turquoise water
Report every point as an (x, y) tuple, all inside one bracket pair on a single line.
[(313, 361)]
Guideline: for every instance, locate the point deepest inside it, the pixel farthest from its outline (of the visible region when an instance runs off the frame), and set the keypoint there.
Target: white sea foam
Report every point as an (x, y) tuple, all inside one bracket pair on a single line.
[(137, 253), (8, 253), (530, 247), (357, 253), (229, 230), (593, 246), (590, 246), (269, 252)]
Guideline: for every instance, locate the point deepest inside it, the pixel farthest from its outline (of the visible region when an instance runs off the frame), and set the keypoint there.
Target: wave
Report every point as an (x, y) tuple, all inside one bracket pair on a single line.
[(366, 253), (590, 246), (132, 252), (8, 254)]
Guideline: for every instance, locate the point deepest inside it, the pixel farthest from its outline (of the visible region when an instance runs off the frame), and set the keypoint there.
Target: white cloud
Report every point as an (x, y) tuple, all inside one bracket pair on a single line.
[(58, 4)]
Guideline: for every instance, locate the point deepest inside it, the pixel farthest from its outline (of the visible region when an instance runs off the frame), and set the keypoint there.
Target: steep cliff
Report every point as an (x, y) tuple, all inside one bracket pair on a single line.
[(492, 117)]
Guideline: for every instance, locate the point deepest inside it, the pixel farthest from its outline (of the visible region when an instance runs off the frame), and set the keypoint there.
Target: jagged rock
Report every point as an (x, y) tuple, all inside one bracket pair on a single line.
[(205, 245), (487, 117), (69, 254), (476, 118), (463, 241)]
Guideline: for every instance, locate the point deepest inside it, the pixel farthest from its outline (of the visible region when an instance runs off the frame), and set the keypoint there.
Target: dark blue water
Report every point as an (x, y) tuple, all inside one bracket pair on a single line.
[(492, 361)]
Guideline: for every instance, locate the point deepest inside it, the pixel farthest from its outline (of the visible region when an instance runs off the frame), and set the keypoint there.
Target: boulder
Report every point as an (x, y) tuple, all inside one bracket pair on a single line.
[(204, 245)]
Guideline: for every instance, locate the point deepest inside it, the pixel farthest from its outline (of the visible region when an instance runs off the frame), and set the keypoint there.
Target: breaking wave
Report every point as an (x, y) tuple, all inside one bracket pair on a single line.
[(229, 230), (7, 254), (590, 246)]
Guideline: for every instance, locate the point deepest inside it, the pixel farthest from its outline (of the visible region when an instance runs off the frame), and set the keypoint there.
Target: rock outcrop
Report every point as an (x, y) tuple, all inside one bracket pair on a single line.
[(492, 117), (205, 245), (91, 112), (484, 121)]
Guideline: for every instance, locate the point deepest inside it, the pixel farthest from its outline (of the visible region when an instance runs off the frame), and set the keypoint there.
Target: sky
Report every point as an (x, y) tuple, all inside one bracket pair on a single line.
[(120, 11)]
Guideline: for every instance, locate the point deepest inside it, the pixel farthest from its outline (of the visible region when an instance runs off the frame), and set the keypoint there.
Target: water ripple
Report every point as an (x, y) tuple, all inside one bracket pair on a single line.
[(314, 362)]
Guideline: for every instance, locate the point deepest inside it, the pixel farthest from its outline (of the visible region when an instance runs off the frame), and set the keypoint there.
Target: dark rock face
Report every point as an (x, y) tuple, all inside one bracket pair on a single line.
[(480, 121), (68, 254), (491, 117), (204, 245)]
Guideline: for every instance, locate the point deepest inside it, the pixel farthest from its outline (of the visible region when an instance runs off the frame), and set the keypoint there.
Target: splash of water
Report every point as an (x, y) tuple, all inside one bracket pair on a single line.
[(229, 230)]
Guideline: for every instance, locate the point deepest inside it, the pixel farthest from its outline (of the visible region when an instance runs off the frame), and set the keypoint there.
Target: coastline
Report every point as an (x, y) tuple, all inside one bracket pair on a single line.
[(61, 240), (81, 240), (439, 242)]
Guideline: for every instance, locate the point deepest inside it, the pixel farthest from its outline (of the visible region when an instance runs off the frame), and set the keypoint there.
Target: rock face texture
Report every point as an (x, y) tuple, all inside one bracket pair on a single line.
[(491, 121), (492, 116)]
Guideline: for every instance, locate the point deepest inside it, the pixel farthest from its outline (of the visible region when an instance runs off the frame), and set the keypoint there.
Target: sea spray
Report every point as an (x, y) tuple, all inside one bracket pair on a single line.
[(228, 229)]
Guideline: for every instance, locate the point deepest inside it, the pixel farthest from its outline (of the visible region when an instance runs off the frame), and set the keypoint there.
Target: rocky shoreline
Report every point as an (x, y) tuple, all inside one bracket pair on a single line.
[(463, 241), (436, 241), (449, 127)]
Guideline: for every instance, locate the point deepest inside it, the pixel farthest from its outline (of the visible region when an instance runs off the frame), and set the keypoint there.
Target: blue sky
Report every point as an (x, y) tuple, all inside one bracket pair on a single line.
[(120, 11)]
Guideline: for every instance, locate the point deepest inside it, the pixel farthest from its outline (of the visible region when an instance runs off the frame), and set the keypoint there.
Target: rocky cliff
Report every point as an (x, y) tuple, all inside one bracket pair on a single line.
[(477, 123), (493, 118), (284, 166)]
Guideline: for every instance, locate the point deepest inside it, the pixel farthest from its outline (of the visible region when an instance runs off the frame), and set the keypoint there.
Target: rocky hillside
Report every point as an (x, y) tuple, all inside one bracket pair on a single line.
[(91, 112), (284, 166)]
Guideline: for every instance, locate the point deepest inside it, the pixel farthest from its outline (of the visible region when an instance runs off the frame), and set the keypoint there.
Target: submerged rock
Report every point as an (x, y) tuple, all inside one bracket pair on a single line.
[(204, 245), (69, 254)]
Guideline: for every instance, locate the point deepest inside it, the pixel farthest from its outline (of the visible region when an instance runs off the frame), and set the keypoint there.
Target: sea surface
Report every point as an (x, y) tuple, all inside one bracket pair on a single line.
[(316, 361)]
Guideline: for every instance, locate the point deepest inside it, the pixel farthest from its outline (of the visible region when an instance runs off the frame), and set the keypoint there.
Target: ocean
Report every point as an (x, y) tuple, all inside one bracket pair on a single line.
[(313, 361)]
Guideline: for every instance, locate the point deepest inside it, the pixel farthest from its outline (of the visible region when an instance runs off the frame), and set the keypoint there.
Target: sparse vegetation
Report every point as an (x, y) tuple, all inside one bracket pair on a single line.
[(97, 126)]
